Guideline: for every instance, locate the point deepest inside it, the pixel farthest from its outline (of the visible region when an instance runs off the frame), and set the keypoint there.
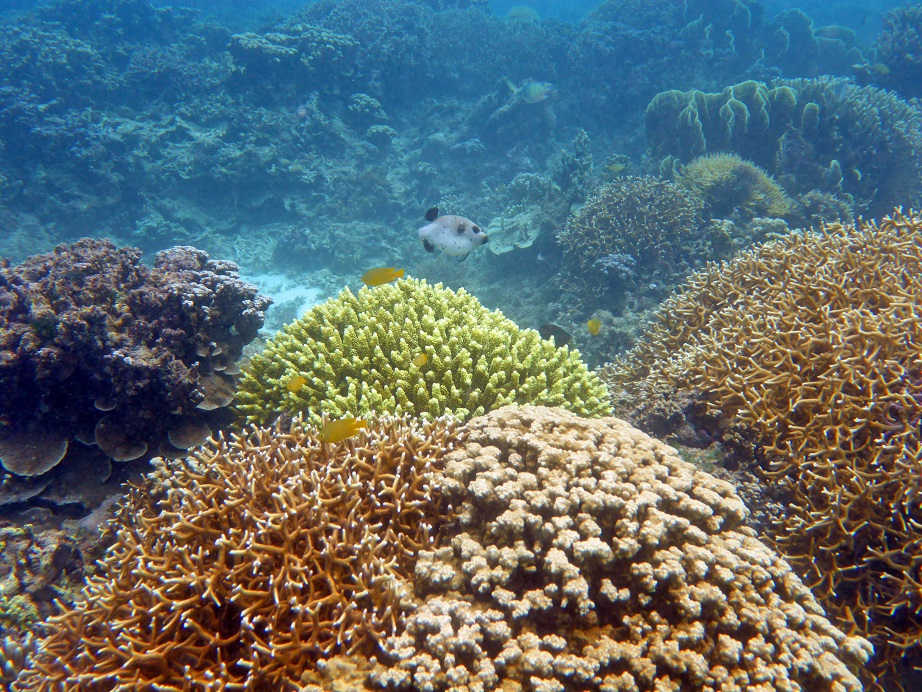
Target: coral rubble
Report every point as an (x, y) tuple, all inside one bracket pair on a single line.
[(99, 348), (812, 345), (359, 353), (242, 567), (588, 556)]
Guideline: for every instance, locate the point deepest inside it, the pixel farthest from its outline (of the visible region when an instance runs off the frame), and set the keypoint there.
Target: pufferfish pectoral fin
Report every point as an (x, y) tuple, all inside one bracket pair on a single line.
[(463, 257), (428, 246)]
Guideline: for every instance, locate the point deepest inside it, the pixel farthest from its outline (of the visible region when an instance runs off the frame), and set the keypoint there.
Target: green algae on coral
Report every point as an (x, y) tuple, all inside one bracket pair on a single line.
[(356, 354)]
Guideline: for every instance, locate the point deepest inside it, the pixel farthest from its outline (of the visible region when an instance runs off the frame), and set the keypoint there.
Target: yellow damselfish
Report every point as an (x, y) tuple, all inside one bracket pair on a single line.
[(420, 360), (593, 326), (338, 430), (381, 275), (296, 383)]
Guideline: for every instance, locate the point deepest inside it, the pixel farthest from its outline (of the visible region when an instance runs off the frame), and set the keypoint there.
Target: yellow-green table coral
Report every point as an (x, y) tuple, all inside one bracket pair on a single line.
[(360, 353)]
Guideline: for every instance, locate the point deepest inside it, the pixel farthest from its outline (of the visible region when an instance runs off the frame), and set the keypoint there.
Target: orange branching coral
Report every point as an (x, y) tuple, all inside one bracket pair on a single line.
[(263, 554), (814, 343)]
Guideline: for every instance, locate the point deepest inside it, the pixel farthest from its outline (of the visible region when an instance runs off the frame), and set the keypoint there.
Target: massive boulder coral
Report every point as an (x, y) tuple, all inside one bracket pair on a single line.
[(99, 348), (732, 186), (412, 347), (587, 556), (241, 567), (811, 346)]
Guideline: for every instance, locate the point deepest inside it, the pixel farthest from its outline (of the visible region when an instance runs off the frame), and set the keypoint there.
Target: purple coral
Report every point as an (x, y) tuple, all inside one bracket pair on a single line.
[(97, 347)]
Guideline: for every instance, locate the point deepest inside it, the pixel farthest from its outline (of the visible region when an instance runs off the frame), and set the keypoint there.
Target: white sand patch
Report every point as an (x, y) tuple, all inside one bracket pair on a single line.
[(291, 297)]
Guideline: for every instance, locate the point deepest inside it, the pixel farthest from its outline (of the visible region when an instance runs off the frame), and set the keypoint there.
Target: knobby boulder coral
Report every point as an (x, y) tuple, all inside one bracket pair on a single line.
[(813, 344), (240, 568), (363, 352), (731, 185), (96, 346), (588, 556)]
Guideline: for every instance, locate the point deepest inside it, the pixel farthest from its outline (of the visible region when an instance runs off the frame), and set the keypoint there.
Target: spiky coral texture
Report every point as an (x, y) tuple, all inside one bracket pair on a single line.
[(730, 183), (269, 552), (356, 353), (814, 343)]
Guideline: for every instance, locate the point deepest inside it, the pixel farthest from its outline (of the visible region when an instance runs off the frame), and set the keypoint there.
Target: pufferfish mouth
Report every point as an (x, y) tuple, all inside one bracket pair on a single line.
[(485, 239)]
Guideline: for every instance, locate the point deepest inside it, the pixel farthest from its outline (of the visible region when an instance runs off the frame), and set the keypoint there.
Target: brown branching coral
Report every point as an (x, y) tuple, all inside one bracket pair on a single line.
[(645, 218), (588, 556), (814, 345), (266, 553)]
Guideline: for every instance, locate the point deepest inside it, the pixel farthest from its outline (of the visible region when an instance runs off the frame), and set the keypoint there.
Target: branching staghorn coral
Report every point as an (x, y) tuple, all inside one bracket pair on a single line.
[(269, 551), (364, 352), (814, 344), (588, 556)]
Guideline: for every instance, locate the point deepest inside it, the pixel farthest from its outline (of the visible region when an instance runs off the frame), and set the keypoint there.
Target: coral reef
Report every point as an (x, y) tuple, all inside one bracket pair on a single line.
[(811, 134), (588, 556), (14, 656), (99, 348), (733, 186), (648, 219), (406, 48), (899, 51), (37, 565), (637, 48), (303, 57), (251, 561), (360, 352), (811, 346)]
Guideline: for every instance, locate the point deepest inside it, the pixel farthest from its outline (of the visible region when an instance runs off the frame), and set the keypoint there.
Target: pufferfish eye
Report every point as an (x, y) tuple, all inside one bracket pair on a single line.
[(460, 229), (476, 229)]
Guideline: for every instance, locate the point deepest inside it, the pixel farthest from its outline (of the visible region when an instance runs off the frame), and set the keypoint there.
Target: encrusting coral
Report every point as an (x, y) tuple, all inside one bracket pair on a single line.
[(813, 344), (242, 567), (411, 347), (587, 556)]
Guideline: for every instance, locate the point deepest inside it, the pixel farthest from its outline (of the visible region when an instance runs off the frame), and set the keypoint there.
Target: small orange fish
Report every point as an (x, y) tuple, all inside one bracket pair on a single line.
[(381, 275), (594, 326), (420, 360), (338, 430), (296, 383)]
